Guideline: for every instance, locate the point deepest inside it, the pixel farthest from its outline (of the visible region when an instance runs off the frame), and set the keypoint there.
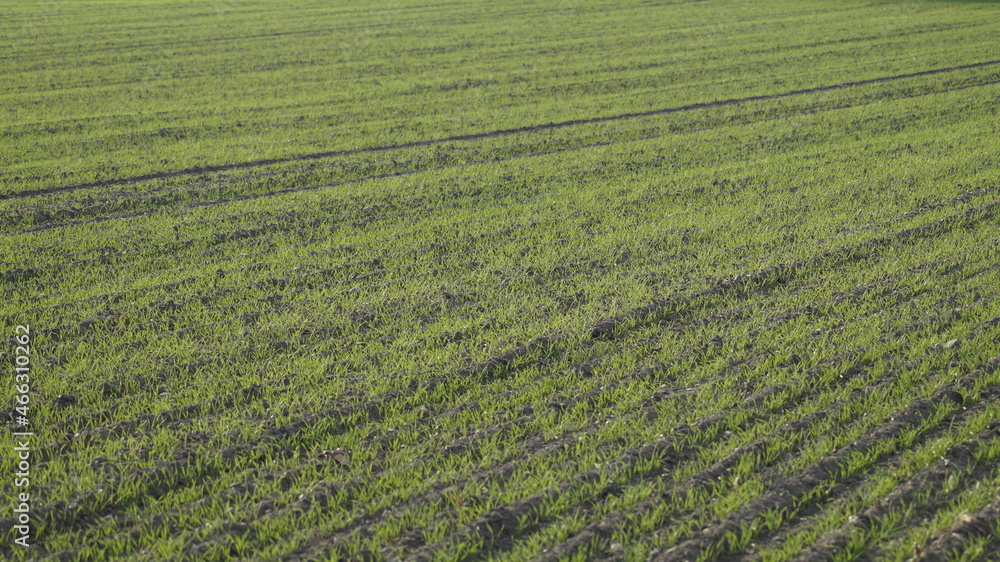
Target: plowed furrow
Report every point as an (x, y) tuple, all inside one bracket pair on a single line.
[(535, 449), (982, 523), (616, 523), (488, 368), (957, 462), (645, 453), (791, 492), (502, 364)]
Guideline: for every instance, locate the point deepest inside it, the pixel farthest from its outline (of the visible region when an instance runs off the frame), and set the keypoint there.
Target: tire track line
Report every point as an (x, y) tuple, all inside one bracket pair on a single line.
[(493, 133), (225, 180)]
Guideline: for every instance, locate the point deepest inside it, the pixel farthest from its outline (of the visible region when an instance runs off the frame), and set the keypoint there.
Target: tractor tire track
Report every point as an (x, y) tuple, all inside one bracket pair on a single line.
[(490, 134)]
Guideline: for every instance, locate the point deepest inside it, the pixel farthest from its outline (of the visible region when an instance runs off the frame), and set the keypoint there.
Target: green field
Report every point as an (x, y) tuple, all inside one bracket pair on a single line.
[(507, 280)]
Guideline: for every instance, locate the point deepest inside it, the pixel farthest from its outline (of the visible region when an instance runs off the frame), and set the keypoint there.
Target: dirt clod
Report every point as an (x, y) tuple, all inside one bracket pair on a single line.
[(954, 396), (340, 454)]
